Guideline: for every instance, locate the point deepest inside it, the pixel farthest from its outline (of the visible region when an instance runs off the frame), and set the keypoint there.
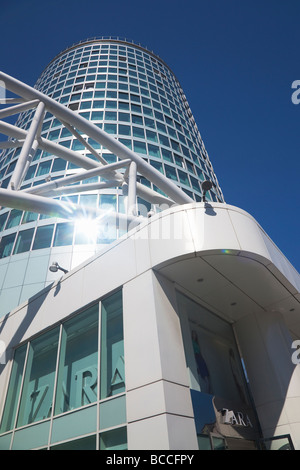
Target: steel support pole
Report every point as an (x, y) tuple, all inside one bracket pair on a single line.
[(85, 143), (19, 108), (82, 124), (10, 144), (131, 201), (82, 188), (28, 149), (152, 196), (103, 170), (51, 147)]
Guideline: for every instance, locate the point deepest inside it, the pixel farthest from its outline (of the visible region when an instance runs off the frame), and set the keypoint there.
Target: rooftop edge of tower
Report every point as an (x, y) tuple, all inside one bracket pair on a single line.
[(111, 39)]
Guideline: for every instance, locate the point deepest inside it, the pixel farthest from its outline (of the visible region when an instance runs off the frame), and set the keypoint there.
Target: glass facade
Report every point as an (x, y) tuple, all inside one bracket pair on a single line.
[(133, 95), (217, 379), (212, 356), (67, 385)]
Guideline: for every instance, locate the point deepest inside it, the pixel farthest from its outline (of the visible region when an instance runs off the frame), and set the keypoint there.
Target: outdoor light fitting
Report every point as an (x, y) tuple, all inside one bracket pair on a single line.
[(55, 267), (206, 186)]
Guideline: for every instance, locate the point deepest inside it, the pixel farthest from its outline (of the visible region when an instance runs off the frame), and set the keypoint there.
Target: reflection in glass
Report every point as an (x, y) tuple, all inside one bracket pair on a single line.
[(3, 218), (29, 217), (14, 218), (63, 234), (6, 245), (212, 355), (43, 237), (13, 390), (77, 373), (114, 440), (37, 392), (23, 241), (86, 443), (112, 346)]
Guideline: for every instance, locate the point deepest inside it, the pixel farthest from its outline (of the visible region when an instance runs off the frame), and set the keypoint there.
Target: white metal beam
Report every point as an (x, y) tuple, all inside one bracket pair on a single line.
[(27, 151), (131, 203), (19, 108), (10, 144), (116, 147), (85, 143), (51, 147), (55, 208), (103, 170)]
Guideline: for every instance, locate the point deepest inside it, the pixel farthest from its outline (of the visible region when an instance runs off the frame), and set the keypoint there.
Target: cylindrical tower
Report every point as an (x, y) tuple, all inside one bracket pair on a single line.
[(131, 94)]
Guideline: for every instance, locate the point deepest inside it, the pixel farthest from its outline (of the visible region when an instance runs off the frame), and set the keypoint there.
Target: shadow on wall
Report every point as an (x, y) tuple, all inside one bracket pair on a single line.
[(32, 310)]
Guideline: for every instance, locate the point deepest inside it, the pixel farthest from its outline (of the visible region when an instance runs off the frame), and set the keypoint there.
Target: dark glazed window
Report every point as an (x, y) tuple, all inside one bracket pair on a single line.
[(23, 241), (6, 245), (63, 234), (43, 237)]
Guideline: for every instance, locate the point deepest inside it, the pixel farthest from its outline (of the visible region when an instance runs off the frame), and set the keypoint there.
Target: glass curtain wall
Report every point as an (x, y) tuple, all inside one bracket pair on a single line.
[(133, 95), (55, 380)]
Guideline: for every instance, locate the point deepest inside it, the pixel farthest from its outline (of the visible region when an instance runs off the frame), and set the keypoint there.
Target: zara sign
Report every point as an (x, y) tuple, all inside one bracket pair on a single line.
[(236, 418)]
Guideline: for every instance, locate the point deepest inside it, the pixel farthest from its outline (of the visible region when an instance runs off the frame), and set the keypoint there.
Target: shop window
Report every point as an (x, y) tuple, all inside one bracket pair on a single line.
[(37, 391), (14, 388), (212, 354), (86, 443), (115, 439), (112, 369), (77, 374)]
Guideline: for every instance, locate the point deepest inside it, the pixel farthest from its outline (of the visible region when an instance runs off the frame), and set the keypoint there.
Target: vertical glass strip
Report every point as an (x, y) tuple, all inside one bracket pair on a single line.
[(77, 380), (13, 392), (112, 370), (37, 393)]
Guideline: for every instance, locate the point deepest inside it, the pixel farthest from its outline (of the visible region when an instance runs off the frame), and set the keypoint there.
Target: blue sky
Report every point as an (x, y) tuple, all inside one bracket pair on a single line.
[(236, 61)]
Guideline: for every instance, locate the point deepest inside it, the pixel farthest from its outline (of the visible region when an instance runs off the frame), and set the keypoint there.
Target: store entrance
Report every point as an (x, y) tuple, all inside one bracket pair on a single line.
[(223, 409), (283, 442)]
